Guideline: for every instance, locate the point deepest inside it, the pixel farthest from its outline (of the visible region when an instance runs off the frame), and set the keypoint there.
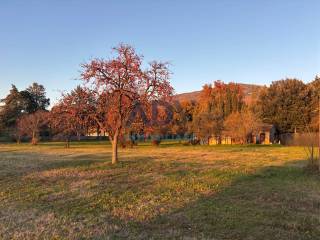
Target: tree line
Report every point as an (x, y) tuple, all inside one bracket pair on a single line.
[(111, 89)]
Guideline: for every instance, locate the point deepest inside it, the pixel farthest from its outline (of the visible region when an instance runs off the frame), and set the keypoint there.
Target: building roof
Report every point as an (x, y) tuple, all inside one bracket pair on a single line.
[(265, 127)]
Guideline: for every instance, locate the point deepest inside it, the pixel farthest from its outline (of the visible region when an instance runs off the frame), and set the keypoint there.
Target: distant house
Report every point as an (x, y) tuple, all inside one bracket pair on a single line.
[(225, 139), (95, 132), (265, 134)]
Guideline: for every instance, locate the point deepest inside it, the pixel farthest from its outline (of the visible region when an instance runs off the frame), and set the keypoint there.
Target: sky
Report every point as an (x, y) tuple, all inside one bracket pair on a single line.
[(247, 41)]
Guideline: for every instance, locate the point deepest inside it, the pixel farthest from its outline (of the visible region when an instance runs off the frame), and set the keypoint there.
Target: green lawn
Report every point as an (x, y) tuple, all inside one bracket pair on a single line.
[(171, 191)]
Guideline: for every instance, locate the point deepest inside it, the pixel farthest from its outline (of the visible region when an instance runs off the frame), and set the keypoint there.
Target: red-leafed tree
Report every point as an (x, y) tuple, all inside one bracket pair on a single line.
[(241, 125), (119, 84), (71, 116), (216, 103), (31, 124), (61, 124)]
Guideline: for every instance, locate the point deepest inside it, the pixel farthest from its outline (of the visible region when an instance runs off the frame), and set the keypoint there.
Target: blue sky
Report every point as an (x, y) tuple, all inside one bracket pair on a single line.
[(249, 41)]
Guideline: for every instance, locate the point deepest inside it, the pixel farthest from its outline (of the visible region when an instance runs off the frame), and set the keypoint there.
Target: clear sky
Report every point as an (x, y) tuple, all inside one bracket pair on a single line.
[(249, 41)]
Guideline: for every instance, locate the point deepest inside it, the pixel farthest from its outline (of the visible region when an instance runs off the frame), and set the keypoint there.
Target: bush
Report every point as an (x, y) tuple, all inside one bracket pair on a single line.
[(186, 143), (156, 142), (128, 143), (34, 141), (195, 142), (123, 144)]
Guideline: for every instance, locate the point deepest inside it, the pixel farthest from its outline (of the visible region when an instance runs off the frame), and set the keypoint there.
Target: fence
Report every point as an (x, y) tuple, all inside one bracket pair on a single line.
[(299, 139)]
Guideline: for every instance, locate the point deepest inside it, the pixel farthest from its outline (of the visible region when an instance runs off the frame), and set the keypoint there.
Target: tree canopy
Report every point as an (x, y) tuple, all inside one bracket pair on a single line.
[(287, 104), (18, 102), (119, 84)]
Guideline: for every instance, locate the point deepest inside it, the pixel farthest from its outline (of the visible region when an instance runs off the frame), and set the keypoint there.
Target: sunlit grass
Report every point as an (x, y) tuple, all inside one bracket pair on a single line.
[(171, 191)]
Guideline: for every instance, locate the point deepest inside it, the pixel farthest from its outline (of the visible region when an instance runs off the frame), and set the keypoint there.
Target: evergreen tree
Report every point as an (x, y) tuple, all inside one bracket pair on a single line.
[(35, 95), (287, 104), (18, 102), (314, 87), (12, 107)]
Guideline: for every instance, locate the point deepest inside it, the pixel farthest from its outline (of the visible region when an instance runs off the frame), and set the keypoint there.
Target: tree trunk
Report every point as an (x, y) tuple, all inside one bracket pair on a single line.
[(34, 139), (67, 143), (79, 137), (311, 157), (115, 149)]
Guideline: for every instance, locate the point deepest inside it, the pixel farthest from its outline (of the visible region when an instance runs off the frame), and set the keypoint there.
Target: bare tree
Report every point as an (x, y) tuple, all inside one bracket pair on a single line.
[(30, 125)]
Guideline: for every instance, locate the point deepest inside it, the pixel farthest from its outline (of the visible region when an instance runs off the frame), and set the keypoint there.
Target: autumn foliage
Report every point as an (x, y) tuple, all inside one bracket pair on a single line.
[(71, 116), (216, 103), (119, 84), (30, 125), (122, 96), (241, 125)]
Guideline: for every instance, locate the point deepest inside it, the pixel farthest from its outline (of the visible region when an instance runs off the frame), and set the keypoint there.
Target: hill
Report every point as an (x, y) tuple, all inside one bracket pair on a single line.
[(249, 90)]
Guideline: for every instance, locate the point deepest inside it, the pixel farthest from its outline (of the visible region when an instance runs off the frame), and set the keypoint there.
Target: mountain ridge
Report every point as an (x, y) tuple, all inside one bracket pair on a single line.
[(248, 89)]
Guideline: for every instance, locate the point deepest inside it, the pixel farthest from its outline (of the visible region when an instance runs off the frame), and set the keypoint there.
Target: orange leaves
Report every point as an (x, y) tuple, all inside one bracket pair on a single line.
[(119, 83), (241, 124), (30, 124), (72, 114)]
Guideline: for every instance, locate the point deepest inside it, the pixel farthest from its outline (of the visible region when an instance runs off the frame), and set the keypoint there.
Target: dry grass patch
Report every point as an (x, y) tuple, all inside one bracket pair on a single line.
[(171, 191)]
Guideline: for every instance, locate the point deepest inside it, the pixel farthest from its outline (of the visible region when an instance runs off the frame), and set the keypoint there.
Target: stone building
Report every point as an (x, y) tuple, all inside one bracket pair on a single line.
[(265, 134)]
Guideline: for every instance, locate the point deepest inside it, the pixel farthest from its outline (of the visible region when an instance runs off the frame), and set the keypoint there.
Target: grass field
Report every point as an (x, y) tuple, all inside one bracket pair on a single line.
[(171, 191)]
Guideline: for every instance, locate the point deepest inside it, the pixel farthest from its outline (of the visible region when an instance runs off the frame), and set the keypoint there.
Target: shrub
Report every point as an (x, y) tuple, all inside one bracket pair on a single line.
[(186, 143), (123, 144), (128, 143), (195, 142), (156, 142)]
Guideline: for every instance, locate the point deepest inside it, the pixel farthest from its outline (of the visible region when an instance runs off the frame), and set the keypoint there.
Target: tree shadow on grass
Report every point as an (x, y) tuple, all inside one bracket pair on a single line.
[(79, 160), (24, 163), (274, 203), (280, 202)]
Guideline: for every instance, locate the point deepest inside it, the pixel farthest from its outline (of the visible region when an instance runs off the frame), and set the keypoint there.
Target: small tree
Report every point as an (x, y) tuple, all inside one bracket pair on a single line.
[(119, 84), (31, 124), (240, 125), (205, 125), (61, 124), (71, 116), (77, 105)]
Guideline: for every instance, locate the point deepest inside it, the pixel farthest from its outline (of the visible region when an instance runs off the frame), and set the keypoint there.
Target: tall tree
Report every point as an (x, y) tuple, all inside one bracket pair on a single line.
[(221, 99), (314, 87), (36, 94), (215, 104), (18, 102), (286, 103), (13, 106), (119, 84), (183, 116)]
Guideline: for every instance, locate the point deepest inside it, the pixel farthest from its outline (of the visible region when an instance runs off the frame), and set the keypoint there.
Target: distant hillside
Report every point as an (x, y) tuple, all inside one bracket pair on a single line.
[(189, 96), (249, 91)]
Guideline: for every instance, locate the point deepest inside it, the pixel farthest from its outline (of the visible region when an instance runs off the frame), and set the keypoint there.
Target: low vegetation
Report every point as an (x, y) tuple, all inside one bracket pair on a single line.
[(170, 191)]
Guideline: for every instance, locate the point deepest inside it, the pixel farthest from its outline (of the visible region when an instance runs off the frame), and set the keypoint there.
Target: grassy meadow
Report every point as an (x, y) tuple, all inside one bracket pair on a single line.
[(171, 191)]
